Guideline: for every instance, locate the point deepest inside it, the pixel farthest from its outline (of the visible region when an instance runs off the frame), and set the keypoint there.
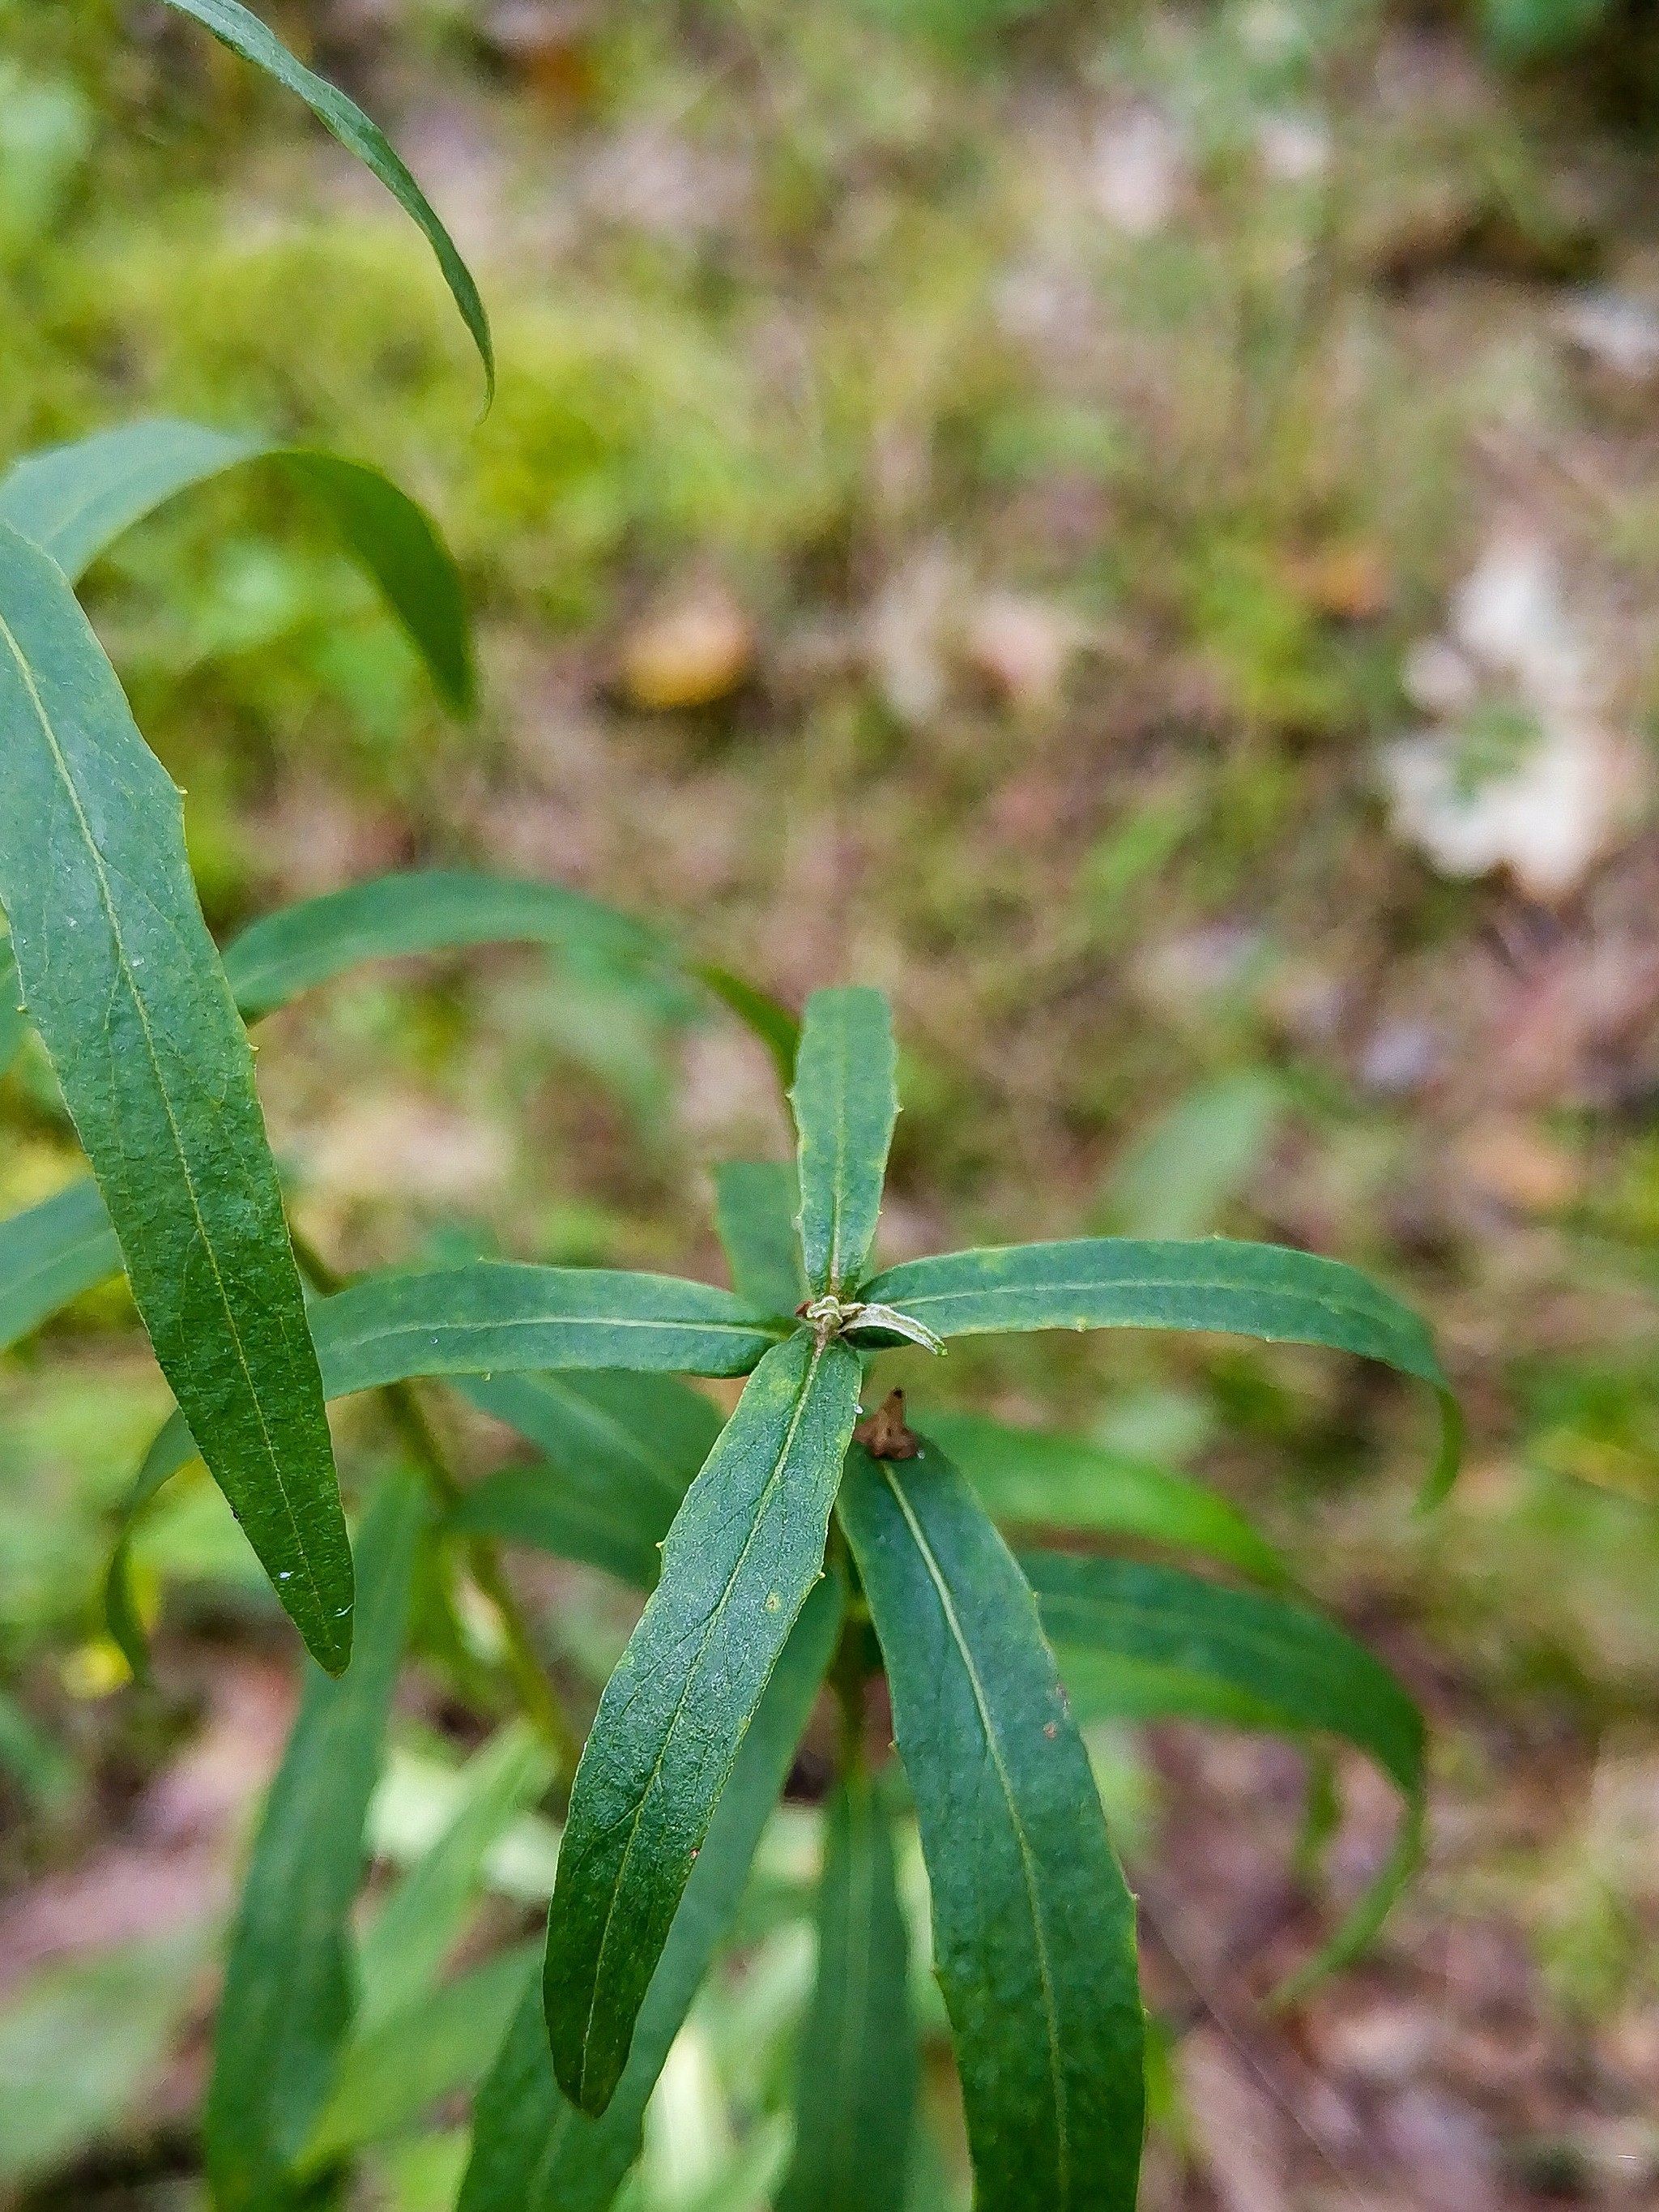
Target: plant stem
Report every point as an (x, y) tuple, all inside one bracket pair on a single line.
[(535, 1693)]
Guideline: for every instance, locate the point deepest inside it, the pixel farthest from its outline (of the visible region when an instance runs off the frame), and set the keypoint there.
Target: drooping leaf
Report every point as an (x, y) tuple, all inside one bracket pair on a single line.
[(287, 2004), (428, 910), (405, 1944), (126, 991), (775, 1025), (1033, 1928), (757, 1210), (245, 34), (1140, 1641), (399, 2067), (51, 1253), (498, 1316), (856, 2096), (1209, 1283), (846, 1101), (745, 1548), (74, 501), (532, 2150), (622, 1452), (1032, 1479)]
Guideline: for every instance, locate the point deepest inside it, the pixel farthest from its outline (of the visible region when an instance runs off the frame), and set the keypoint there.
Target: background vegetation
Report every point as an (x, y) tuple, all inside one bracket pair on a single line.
[(969, 495)]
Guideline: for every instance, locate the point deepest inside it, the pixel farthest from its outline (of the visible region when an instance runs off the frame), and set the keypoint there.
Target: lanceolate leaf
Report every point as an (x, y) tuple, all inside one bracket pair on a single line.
[(74, 501), (497, 1316), (1144, 1640), (1209, 1283), (757, 1205), (855, 2102), (532, 2150), (846, 1104), (243, 32), (1033, 1928), (622, 1452), (287, 2002), (126, 991), (51, 1253), (430, 910), (1031, 1479), (746, 1547)]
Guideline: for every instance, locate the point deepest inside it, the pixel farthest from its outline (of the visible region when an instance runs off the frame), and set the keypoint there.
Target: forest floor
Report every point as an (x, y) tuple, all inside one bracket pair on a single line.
[(1139, 540)]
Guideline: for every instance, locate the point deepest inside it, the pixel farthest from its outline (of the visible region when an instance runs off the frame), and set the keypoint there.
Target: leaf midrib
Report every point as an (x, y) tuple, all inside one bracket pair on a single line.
[(126, 972), (947, 1604)]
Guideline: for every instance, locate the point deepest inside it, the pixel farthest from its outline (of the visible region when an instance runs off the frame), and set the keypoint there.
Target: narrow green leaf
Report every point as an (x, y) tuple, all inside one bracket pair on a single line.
[(428, 910), (622, 1452), (756, 1211), (286, 2002), (745, 1548), (126, 993), (532, 2150), (13, 1026), (1209, 1283), (1031, 1479), (400, 2067), (173, 1447), (245, 34), (1141, 1641), (855, 2099), (1179, 1176), (51, 1253), (775, 1025), (846, 1102), (401, 1953), (499, 1317), (1033, 1928), (74, 501)]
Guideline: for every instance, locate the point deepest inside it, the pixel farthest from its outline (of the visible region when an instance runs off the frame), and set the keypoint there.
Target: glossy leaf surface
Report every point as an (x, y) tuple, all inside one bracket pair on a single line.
[(745, 1550), (855, 2100), (125, 990), (846, 1102), (244, 34), (532, 2150), (286, 2007), (1031, 1479), (74, 501), (428, 910), (757, 1207), (1263, 1291), (1033, 1927)]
